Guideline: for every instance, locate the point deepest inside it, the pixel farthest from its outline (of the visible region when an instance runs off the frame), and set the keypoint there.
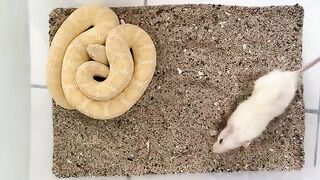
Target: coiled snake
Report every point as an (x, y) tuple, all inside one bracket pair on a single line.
[(71, 73)]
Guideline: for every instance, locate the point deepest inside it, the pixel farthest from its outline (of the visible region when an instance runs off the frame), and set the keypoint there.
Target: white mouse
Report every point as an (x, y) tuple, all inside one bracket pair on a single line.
[(272, 93)]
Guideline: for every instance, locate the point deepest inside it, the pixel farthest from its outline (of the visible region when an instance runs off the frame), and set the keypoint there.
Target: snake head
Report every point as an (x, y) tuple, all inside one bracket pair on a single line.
[(97, 52)]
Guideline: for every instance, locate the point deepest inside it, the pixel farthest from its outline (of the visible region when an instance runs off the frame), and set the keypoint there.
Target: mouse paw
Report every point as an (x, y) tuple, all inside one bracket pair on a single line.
[(245, 145)]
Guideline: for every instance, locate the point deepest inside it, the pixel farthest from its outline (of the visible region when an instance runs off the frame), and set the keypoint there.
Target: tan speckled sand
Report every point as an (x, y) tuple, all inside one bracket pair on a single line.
[(207, 59)]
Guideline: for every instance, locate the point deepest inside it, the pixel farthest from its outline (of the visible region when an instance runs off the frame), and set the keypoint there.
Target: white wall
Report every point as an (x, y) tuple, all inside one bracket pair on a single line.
[(14, 90)]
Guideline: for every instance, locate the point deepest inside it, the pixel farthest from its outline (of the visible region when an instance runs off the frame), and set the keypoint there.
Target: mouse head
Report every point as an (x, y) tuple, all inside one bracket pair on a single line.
[(227, 140)]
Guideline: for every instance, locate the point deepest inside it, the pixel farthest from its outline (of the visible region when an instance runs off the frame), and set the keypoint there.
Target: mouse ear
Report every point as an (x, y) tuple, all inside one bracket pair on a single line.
[(226, 131), (229, 129)]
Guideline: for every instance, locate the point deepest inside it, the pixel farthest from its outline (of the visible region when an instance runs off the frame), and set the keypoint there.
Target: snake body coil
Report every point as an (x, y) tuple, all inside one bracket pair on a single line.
[(70, 73)]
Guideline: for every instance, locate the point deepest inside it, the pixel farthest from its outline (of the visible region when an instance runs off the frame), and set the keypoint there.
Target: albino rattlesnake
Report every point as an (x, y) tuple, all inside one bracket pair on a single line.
[(70, 73)]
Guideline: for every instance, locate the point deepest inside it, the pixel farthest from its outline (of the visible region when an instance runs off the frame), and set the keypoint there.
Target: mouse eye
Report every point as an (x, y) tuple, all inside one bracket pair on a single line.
[(220, 141)]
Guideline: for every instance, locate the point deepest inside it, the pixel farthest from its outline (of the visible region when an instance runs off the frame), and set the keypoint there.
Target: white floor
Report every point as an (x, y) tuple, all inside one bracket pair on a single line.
[(41, 122), (15, 90)]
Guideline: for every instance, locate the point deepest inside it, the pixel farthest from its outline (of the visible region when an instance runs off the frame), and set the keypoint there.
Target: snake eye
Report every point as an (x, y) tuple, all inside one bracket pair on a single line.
[(220, 141), (99, 78)]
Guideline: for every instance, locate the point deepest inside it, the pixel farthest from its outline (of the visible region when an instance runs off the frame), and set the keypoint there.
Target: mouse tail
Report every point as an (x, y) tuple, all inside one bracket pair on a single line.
[(309, 65)]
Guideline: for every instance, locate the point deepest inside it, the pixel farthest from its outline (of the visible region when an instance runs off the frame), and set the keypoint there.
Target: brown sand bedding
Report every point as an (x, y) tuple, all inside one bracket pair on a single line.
[(207, 59)]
